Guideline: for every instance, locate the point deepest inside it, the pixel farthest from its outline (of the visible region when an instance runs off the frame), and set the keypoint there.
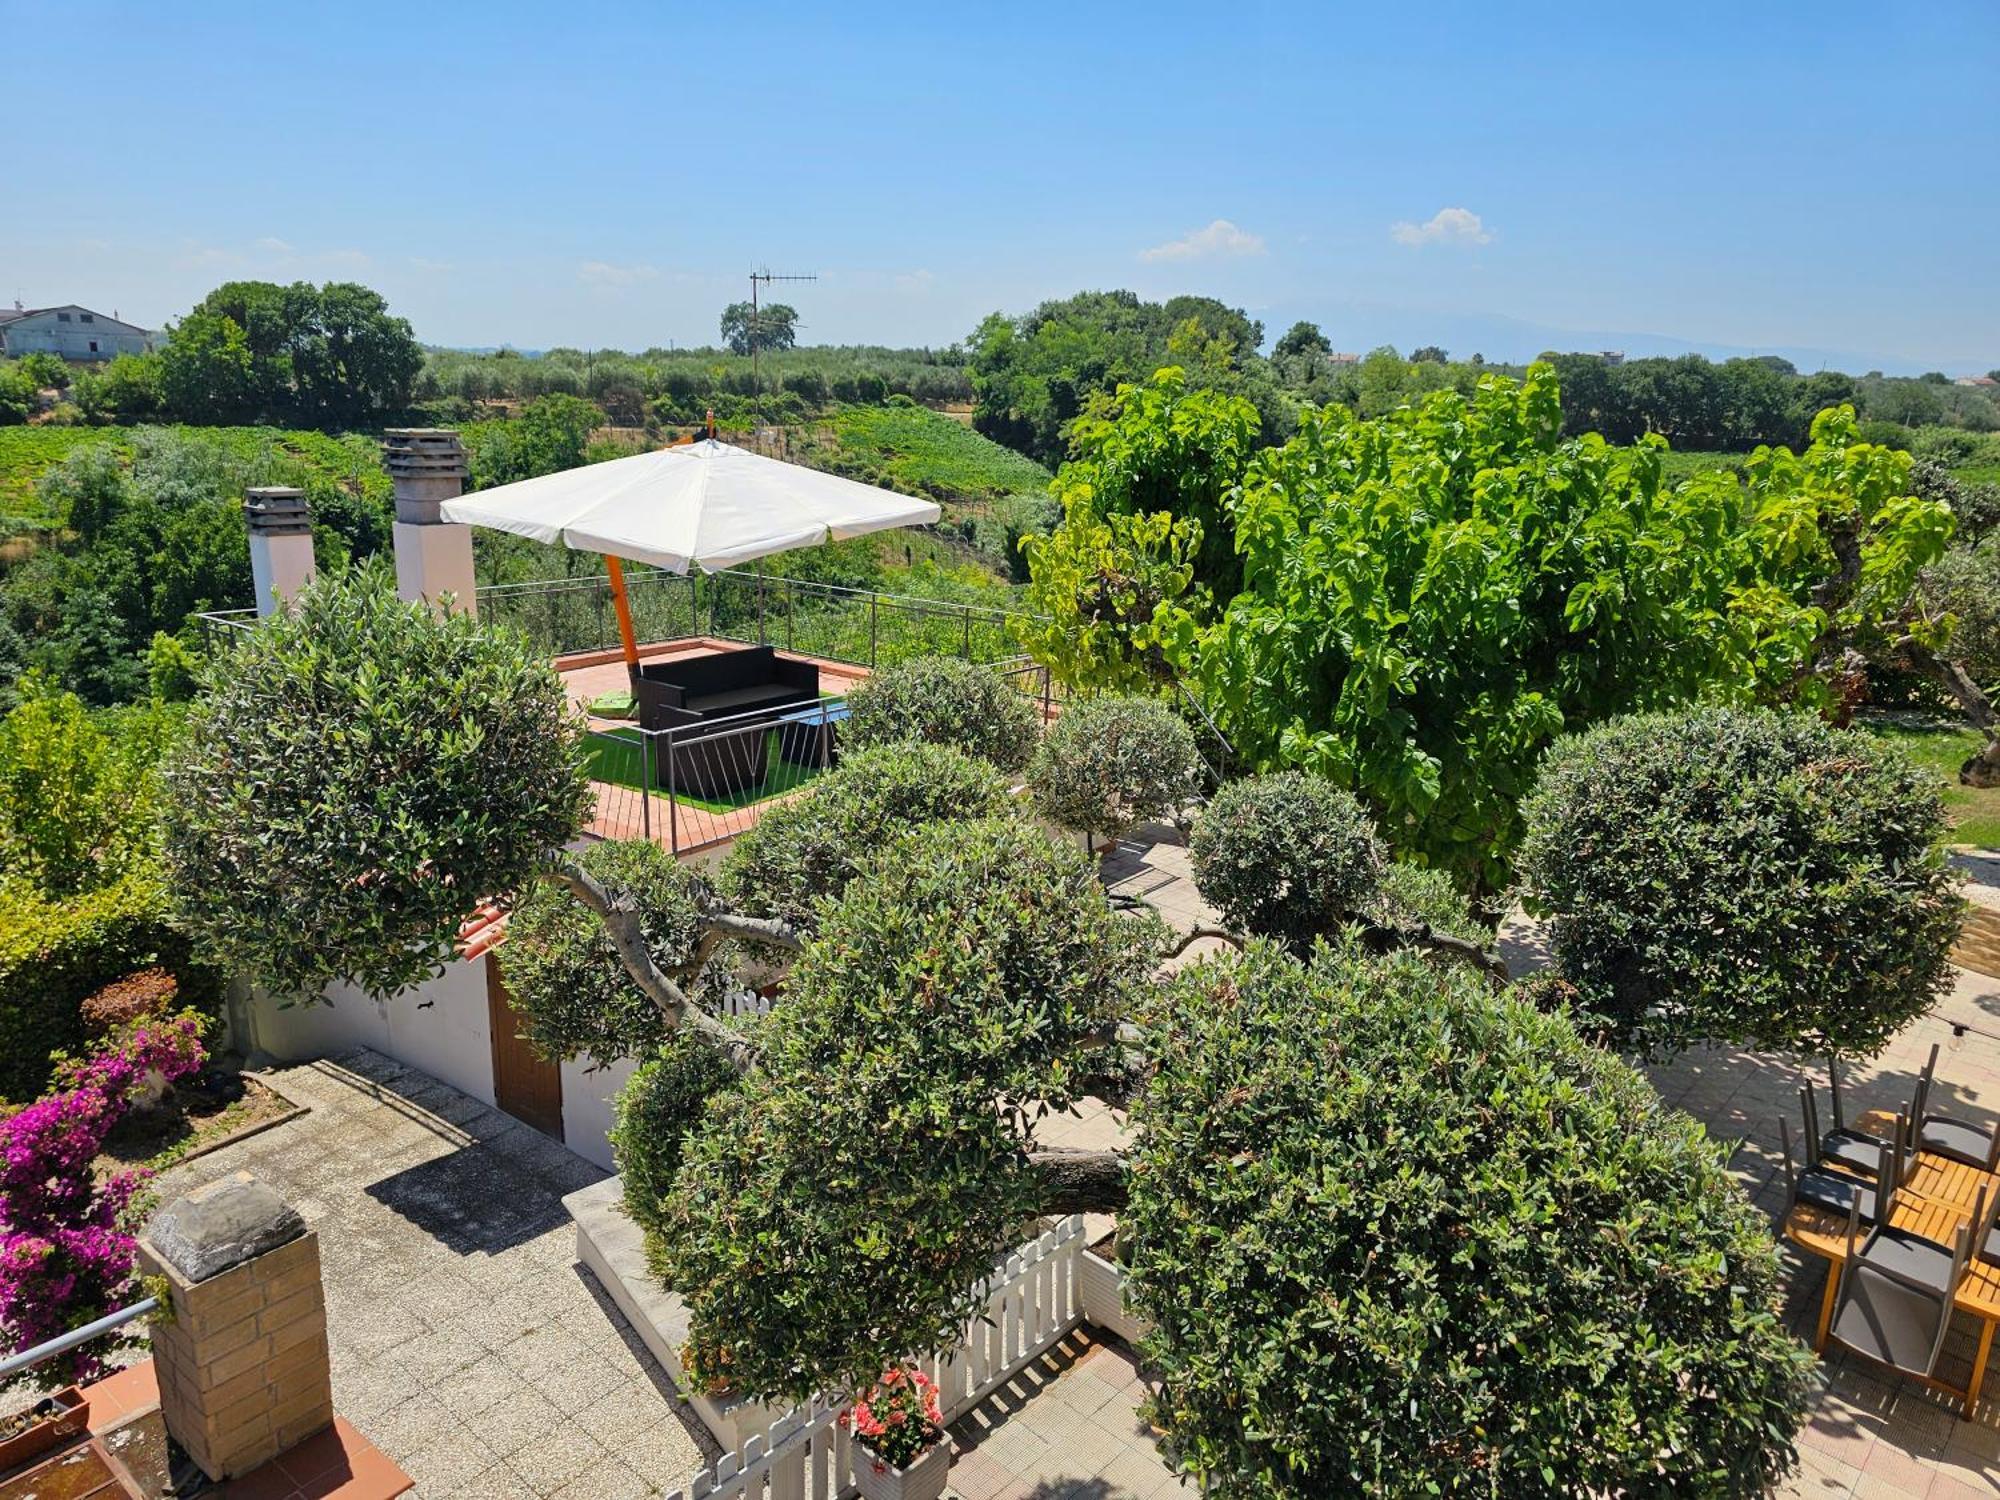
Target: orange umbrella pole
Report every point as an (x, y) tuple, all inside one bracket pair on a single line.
[(615, 570)]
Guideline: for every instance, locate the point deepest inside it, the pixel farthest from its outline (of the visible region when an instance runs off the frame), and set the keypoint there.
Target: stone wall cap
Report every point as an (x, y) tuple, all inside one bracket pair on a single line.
[(222, 1224)]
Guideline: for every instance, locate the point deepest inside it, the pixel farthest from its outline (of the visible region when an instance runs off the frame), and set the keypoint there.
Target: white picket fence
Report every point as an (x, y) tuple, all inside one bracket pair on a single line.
[(1032, 1301)]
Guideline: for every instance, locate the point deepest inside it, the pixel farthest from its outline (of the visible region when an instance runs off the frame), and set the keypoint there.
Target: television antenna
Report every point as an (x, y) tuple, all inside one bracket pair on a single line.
[(756, 340)]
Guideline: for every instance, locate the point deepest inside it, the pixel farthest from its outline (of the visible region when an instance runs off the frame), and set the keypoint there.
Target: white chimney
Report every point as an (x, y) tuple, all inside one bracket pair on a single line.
[(433, 556), (281, 544)]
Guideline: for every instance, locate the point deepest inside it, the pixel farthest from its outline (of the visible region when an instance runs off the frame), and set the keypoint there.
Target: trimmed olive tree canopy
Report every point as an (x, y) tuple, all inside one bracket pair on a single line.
[(801, 852), (1399, 1237), (1108, 764), (942, 700), (1742, 875), (1285, 856), (358, 773)]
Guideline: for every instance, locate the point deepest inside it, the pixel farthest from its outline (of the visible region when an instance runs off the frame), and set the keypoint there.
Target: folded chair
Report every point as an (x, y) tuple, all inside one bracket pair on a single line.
[(1854, 1150), (1889, 1316), (1961, 1140), (1835, 1191)]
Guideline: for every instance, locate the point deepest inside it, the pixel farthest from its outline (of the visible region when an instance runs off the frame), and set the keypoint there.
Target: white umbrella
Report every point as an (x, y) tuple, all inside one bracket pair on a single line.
[(704, 505)]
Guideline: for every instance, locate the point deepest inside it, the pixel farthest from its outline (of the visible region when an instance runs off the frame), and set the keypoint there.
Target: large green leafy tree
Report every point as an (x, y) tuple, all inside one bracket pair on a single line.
[(772, 326), (331, 356), (1429, 597)]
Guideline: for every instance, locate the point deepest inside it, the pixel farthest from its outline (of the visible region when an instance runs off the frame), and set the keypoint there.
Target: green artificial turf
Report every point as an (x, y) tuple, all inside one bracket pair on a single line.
[(614, 756)]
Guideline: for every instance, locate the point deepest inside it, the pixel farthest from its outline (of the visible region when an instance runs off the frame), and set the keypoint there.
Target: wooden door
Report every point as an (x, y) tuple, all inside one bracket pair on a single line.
[(525, 1084)]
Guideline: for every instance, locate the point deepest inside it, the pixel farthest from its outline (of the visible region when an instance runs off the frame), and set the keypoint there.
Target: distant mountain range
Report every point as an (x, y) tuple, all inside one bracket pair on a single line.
[(1359, 327)]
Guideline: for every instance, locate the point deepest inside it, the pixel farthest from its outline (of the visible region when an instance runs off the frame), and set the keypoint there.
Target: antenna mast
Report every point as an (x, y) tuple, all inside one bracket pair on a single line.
[(756, 340)]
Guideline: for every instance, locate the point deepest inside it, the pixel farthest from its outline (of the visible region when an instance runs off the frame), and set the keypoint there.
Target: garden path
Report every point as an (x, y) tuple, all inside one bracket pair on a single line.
[(466, 1342)]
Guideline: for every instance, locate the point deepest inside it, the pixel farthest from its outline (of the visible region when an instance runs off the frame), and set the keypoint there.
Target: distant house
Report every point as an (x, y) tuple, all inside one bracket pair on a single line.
[(1978, 380), (1612, 356), (1343, 359), (75, 333)]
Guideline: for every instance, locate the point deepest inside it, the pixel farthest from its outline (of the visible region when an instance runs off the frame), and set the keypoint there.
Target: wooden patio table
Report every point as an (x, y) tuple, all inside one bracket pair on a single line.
[(1936, 1199)]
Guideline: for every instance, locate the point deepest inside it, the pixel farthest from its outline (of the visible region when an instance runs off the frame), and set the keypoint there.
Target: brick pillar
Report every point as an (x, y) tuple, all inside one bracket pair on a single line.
[(433, 555), (281, 544), (242, 1364)]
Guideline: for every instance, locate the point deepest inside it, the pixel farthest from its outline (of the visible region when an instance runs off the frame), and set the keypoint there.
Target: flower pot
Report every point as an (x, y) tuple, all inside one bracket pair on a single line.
[(923, 1480), (65, 1417)]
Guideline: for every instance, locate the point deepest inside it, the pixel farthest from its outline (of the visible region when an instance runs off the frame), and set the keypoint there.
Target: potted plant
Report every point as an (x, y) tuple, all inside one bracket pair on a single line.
[(899, 1430)]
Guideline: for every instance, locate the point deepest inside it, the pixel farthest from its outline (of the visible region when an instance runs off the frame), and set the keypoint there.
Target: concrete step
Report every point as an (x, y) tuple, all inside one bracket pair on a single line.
[(613, 1249)]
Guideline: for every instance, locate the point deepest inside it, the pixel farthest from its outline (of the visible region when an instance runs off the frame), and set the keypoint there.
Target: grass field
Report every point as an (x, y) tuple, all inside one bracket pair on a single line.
[(352, 460), (1941, 747), (934, 454)]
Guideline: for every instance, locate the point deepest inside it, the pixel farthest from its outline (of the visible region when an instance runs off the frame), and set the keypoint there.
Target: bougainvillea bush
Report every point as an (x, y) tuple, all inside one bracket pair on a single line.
[(66, 1237), (1742, 875)]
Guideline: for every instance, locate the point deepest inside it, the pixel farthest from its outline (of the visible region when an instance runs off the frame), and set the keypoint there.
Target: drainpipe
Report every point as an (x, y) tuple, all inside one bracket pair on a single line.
[(281, 544), (433, 555)]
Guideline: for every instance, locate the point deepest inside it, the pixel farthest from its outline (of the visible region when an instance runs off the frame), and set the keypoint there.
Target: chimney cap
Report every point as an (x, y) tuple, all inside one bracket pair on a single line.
[(277, 511)]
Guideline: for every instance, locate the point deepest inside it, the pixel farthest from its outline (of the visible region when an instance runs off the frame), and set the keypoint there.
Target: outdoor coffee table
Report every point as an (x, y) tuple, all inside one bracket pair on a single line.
[(1936, 1199)]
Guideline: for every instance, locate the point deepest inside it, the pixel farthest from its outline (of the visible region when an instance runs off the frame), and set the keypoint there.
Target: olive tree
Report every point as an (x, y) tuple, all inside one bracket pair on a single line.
[(942, 700), (358, 773), (1108, 764), (1742, 875), (806, 850), (1397, 1236)]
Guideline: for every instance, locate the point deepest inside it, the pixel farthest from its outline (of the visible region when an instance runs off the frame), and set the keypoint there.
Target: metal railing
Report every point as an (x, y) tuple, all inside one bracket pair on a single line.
[(864, 627), (694, 786), (27, 1359)]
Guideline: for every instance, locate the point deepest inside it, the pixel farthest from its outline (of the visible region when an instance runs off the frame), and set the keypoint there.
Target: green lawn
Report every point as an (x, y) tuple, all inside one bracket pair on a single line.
[(1974, 815), (614, 756)]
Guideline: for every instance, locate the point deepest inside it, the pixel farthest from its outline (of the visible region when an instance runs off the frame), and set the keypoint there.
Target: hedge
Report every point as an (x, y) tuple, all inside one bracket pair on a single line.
[(54, 953)]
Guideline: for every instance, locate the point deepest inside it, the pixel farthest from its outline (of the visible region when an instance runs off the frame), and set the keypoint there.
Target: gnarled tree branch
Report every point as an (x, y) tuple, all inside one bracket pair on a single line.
[(1982, 769), (1380, 939), (620, 915), (1077, 1182)]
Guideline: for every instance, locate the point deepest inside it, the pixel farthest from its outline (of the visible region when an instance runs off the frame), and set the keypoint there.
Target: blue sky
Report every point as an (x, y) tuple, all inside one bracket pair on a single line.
[(1764, 176)]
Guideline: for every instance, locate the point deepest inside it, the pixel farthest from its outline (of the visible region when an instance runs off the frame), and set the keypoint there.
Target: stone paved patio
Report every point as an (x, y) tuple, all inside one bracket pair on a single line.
[(1066, 1428), (466, 1343)]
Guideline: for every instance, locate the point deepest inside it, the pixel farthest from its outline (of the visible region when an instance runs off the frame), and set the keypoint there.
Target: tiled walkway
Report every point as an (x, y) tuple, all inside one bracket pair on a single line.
[(466, 1343), (1066, 1428)]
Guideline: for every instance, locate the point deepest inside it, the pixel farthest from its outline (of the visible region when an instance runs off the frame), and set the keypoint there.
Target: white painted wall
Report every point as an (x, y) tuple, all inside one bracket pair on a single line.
[(440, 1027), (588, 1090), (61, 330)]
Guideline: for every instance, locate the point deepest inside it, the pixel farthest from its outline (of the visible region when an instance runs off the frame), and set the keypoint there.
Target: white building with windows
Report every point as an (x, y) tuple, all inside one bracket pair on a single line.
[(75, 333)]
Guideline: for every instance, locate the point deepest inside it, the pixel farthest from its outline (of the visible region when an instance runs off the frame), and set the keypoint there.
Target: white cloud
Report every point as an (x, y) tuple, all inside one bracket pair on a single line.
[(1448, 226), (603, 273), (1218, 239), (916, 281), (425, 263), (270, 244)]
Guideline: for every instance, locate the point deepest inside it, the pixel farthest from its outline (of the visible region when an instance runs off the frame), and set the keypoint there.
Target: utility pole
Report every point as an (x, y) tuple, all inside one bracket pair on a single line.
[(756, 338)]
